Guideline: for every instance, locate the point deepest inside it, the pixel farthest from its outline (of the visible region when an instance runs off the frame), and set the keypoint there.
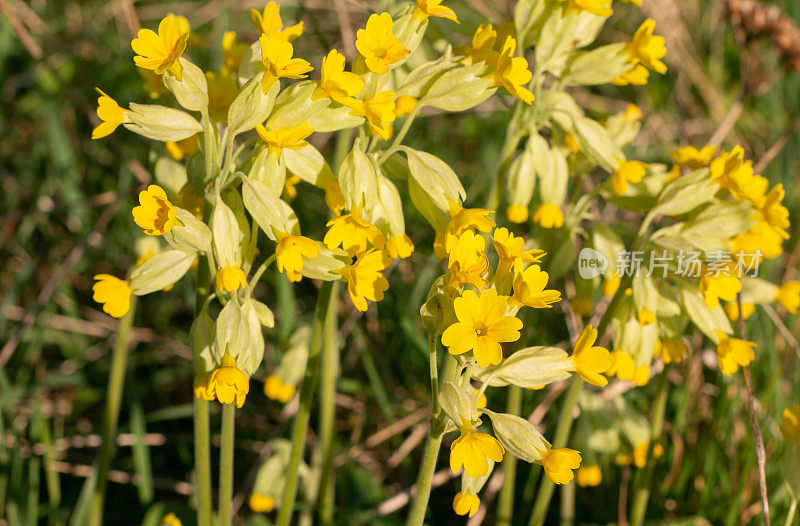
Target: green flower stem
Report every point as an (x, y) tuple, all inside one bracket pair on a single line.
[(790, 513), (116, 381), (398, 139), (505, 503), (202, 439), (644, 477), (226, 464), (325, 302), (510, 144), (438, 424), (567, 517), (327, 392)]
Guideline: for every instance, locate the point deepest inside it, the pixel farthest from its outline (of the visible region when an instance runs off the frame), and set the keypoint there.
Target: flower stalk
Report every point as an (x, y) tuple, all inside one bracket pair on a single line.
[(226, 464), (328, 380)]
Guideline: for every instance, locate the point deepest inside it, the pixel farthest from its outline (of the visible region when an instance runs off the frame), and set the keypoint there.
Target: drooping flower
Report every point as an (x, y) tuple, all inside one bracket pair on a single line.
[(353, 233), (364, 278), (110, 113), (645, 317), (672, 350), (170, 519), (378, 45), (466, 503), (773, 213), (261, 503), (559, 463), (623, 366), (627, 172), (159, 52), (278, 139), (720, 285), (517, 213), (732, 310), (379, 112), (155, 214), (464, 219), (467, 261), (589, 476), (595, 7), (529, 288), (481, 327), (399, 246), (336, 83), (646, 48), (694, 158), (512, 72), (269, 23), (428, 8), (549, 215), (788, 295), (733, 353), (276, 54), (229, 384), (473, 450), (511, 248), (230, 278), (790, 427), (113, 293), (275, 389), (290, 253), (404, 105), (590, 361)]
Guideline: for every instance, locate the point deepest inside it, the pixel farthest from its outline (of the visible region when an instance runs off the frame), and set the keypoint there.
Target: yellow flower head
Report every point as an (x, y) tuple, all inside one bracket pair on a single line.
[(289, 191), (589, 476), (548, 216), (468, 262), (732, 310), (155, 214), (110, 113), (428, 8), (466, 503), (692, 158), (269, 23), (275, 389), (260, 503), (760, 237), (624, 367), (636, 76), (378, 45), (595, 7), (113, 293), (473, 451), (230, 278), (276, 54), (232, 52), (627, 172), (772, 212), (292, 138), (404, 105), (788, 296), (559, 463), (733, 352), (464, 219), (512, 72), (645, 317), (159, 52), (336, 83), (200, 387), (364, 278), (170, 519), (229, 384), (790, 427), (517, 213), (589, 360), (723, 285), (640, 453), (290, 253), (399, 246), (481, 327), (647, 49), (611, 284), (379, 112), (222, 90), (672, 350), (333, 195), (529, 288), (353, 233), (511, 248)]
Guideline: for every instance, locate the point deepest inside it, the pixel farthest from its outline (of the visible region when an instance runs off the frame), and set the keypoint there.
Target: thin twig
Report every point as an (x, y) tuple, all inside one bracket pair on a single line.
[(728, 122), (777, 146)]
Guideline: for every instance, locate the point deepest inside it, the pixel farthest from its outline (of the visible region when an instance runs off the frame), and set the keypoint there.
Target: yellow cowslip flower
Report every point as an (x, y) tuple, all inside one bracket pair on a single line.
[(290, 253), (559, 463), (170, 519), (428, 8), (517, 213), (627, 172), (404, 105), (260, 503), (333, 195), (378, 45), (487, 43), (529, 288), (200, 387), (466, 503), (269, 23), (790, 427), (511, 248), (512, 72), (230, 278), (571, 143), (589, 360), (732, 310), (228, 383), (633, 113), (336, 83), (481, 400), (595, 7), (724, 285), (671, 350), (733, 352), (481, 327), (647, 49), (589, 476), (276, 54), (399, 246), (292, 138), (761, 237), (463, 219), (467, 261), (364, 278), (353, 233), (772, 212), (473, 450), (788, 296), (113, 293), (636, 76), (611, 284), (645, 317), (155, 214), (549, 215), (290, 186), (232, 53), (624, 367), (379, 112), (222, 90), (159, 52), (275, 389), (110, 113), (182, 149), (694, 158), (640, 453)]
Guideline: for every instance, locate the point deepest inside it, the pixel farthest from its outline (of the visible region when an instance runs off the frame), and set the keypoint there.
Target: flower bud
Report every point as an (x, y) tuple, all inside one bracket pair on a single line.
[(458, 403), (518, 436), (251, 106), (191, 91), (160, 271), (529, 368), (264, 205), (192, 235), (161, 123)]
